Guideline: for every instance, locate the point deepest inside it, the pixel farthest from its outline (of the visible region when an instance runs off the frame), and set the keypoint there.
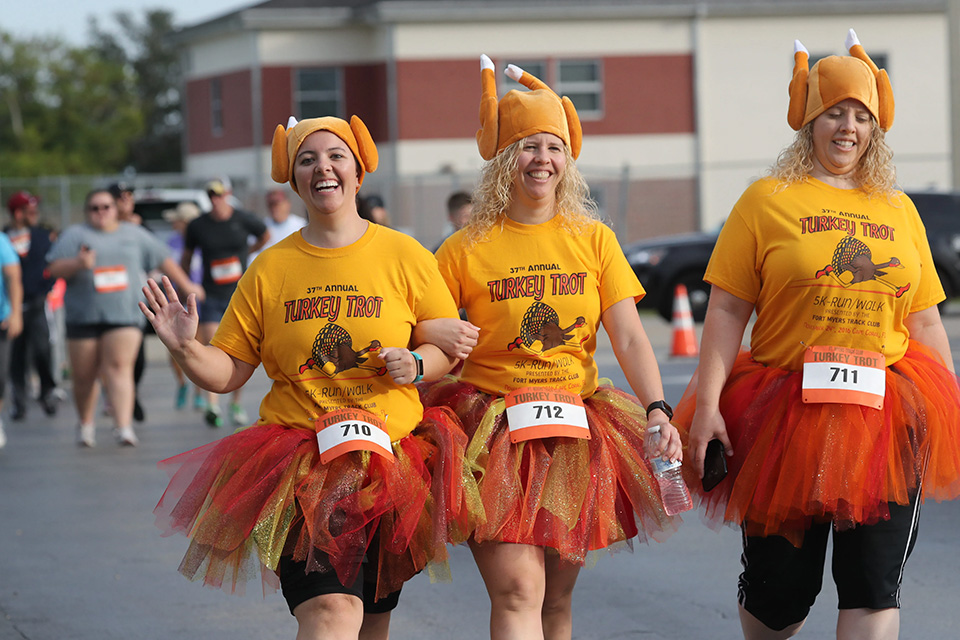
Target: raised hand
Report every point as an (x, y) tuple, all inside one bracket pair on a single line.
[(175, 325)]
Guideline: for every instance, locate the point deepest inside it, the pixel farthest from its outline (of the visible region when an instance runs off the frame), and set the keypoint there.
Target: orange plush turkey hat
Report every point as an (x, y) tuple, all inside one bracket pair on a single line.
[(523, 113), (836, 78), (287, 141)]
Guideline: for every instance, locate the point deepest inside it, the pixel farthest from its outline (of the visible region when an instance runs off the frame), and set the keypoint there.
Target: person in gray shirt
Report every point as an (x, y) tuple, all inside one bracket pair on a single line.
[(104, 263)]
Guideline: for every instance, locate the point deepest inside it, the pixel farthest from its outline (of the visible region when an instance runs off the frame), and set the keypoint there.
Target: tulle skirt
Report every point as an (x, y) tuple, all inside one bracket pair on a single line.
[(262, 492), (570, 495), (796, 463)]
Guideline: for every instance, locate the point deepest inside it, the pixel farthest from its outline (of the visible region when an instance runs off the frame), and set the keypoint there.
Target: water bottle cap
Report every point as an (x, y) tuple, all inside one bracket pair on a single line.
[(654, 429)]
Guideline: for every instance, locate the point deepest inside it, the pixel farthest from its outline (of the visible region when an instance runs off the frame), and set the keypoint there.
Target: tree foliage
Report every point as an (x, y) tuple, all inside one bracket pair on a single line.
[(98, 108)]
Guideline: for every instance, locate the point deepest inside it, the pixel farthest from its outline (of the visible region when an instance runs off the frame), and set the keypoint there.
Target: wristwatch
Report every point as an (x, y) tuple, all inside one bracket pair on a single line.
[(419, 361), (663, 406)]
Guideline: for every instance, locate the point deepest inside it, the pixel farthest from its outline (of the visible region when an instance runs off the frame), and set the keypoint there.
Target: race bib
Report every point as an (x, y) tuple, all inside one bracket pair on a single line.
[(537, 412), (110, 279), (344, 430), (226, 270), (21, 243), (844, 376)]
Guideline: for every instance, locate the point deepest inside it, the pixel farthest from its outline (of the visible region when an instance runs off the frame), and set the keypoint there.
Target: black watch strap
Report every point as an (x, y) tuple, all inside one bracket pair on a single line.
[(663, 406)]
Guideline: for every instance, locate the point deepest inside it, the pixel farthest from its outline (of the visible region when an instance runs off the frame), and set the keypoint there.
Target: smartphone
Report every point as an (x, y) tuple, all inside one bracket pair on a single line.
[(714, 465)]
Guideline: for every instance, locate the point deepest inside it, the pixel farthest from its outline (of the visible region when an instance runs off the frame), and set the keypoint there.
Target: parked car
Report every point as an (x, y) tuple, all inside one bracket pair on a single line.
[(664, 262), (151, 203), (940, 212)]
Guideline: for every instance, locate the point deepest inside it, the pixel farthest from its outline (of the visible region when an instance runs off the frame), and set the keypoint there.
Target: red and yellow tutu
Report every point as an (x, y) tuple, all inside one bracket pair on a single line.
[(796, 463), (571, 495), (261, 492)]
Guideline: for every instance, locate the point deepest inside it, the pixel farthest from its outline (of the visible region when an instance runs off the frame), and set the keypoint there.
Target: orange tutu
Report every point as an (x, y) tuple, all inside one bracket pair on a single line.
[(567, 494), (794, 463), (261, 492)]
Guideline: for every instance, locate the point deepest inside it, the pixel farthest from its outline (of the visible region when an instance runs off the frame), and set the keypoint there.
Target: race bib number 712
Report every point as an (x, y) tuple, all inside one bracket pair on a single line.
[(538, 412)]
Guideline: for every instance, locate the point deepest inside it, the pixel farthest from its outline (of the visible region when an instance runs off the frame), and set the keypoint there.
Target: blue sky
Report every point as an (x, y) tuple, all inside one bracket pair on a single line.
[(68, 18)]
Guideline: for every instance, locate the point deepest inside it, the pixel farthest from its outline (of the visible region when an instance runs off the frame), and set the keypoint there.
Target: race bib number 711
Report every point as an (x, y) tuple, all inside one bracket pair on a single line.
[(844, 376)]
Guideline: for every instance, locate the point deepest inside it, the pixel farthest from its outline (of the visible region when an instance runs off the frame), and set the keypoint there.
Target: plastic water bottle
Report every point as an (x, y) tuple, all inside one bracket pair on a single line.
[(673, 491)]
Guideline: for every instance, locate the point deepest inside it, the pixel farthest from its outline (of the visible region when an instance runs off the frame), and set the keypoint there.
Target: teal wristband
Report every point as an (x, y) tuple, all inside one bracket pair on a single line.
[(419, 359)]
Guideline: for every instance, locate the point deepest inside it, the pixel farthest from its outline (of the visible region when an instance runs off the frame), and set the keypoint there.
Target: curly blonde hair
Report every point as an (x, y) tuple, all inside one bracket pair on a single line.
[(876, 174), (493, 195)]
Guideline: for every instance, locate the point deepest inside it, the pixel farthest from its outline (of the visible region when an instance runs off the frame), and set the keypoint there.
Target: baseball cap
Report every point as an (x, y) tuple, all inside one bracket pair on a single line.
[(184, 211), (21, 199), (217, 188), (117, 189)]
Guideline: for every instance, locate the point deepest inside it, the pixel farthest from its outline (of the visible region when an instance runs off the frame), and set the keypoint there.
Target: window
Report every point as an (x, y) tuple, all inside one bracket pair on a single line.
[(216, 107), (318, 93), (579, 80)]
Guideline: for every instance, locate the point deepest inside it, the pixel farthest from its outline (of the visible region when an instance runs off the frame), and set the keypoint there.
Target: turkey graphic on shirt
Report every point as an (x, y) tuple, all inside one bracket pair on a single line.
[(541, 323), (333, 353), (853, 257)]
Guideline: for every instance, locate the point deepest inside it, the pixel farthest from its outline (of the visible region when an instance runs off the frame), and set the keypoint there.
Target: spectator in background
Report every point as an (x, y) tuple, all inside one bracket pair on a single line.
[(459, 208), (123, 194), (11, 319), (221, 235), (373, 209), (31, 242), (280, 221)]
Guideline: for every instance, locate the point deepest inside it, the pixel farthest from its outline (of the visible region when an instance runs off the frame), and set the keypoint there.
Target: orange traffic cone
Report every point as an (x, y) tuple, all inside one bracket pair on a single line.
[(684, 338)]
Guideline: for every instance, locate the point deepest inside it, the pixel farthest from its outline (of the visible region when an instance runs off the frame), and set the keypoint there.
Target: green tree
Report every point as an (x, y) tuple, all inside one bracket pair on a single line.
[(144, 47), (64, 109)]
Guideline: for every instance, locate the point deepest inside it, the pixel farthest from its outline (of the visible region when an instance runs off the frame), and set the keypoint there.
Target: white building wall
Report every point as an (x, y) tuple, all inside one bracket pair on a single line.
[(544, 39), (744, 66)]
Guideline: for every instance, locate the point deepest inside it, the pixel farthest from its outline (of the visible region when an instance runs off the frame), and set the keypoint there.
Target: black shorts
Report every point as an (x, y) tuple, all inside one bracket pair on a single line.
[(780, 582), (86, 331), (299, 586), (212, 308)]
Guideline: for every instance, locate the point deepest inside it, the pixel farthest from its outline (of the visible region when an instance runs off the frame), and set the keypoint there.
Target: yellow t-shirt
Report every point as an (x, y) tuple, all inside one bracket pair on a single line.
[(825, 266), (536, 292), (316, 319)]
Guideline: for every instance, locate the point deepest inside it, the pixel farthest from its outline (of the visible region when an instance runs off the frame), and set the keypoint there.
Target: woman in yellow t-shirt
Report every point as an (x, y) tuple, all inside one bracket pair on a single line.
[(844, 413), (537, 274), (345, 487)]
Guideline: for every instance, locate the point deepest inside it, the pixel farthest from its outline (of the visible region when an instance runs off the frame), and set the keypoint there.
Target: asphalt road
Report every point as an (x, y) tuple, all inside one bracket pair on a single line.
[(81, 559)]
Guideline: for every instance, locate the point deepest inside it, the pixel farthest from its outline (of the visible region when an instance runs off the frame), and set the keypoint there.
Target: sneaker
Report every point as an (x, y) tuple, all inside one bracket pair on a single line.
[(237, 415), (138, 413), (86, 435), (49, 403), (19, 412), (126, 437), (3, 437), (199, 402), (212, 416), (181, 402)]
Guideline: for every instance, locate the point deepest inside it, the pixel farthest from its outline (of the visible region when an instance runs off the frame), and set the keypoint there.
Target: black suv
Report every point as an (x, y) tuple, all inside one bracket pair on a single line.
[(663, 263)]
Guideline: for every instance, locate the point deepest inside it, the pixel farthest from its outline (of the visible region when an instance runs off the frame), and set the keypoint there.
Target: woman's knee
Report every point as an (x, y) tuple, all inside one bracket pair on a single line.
[(329, 615)]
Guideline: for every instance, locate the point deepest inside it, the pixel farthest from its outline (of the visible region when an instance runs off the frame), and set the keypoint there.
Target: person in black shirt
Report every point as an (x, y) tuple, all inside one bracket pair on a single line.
[(221, 235)]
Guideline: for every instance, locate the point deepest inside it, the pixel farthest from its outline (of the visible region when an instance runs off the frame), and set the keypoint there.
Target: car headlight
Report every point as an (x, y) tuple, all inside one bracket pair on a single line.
[(651, 257)]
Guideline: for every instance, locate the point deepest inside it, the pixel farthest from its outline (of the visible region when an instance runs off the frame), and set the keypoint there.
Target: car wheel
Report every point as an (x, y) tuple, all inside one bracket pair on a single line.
[(698, 292)]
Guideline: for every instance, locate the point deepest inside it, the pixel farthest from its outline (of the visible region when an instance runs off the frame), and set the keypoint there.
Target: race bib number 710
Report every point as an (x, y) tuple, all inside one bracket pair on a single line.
[(844, 376), (537, 412), (344, 430)]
